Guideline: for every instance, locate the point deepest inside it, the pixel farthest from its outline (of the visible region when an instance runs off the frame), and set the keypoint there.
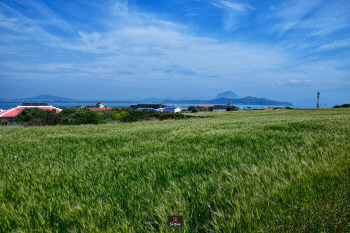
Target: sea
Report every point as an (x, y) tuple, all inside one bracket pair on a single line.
[(9, 105)]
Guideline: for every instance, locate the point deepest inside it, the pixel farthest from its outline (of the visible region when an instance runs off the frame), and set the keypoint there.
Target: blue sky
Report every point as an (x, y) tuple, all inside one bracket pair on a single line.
[(119, 49)]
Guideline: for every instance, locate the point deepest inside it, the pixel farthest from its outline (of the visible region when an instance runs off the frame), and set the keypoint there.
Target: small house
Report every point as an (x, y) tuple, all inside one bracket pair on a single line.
[(172, 109), (99, 106), (218, 108), (204, 108), (147, 106), (92, 107)]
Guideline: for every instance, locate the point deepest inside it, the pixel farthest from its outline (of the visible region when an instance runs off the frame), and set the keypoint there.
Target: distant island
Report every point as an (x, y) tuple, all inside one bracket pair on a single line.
[(228, 95), (242, 101), (222, 98), (47, 98)]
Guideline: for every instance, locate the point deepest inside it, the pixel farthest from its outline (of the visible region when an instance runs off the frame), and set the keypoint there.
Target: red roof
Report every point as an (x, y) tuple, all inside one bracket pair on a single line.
[(13, 112), (95, 107)]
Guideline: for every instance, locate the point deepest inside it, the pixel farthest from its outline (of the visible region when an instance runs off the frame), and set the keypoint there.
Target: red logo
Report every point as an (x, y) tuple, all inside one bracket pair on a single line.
[(175, 221)]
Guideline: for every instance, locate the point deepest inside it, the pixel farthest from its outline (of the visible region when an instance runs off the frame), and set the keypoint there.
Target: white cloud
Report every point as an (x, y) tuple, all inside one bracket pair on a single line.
[(335, 45), (234, 6), (291, 14), (21, 66), (319, 17), (156, 49), (300, 81), (332, 16), (44, 15), (14, 21), (234, 12), (24, 27), (152, 52), (120, 7)]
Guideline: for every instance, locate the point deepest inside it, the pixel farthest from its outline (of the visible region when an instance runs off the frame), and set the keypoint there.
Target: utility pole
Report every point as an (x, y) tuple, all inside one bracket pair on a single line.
[(318, 99)]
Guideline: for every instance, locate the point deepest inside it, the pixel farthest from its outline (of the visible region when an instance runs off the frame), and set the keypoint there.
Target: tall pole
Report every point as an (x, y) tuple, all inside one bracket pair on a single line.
[(318, 99)]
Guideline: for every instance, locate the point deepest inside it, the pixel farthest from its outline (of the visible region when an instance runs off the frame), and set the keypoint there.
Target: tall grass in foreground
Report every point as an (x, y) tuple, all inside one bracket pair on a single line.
[(272, 171)]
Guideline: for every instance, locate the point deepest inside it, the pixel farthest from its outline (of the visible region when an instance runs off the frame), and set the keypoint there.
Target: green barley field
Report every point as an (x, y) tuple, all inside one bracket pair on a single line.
[(253, 171)]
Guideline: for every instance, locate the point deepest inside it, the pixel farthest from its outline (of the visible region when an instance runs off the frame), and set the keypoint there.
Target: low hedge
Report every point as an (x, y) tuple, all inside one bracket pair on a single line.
[(72, 116), (37, 116), (133, 116)]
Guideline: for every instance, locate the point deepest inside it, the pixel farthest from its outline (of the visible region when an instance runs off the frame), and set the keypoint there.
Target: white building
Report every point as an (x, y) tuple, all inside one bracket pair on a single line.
[(100, 105), (174, 109)]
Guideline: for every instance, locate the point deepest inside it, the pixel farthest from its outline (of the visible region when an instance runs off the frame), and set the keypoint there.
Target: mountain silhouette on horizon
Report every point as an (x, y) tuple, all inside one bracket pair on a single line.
[(233, 99), (47, 98), (227, 95)]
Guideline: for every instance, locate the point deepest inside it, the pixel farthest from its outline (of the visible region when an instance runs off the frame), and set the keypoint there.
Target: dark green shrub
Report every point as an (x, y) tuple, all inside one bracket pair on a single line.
[(37, 116), (342, 106), (78, 116), (195, 110), (73, 116)]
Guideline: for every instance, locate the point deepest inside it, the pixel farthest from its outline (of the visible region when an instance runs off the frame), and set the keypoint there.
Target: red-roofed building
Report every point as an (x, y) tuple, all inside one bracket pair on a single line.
[(13, 112), (93, 107), (99, 106)]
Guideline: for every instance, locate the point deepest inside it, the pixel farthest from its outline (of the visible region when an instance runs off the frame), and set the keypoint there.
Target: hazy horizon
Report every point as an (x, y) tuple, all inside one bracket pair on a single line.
[(184, 49)]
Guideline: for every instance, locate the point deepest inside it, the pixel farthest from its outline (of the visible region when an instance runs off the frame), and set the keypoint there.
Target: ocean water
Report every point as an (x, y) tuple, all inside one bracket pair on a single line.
[(9, 105)]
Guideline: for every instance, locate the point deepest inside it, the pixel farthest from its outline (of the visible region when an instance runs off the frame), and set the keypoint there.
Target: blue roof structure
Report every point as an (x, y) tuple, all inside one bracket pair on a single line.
[(147, 110), (169, 108)]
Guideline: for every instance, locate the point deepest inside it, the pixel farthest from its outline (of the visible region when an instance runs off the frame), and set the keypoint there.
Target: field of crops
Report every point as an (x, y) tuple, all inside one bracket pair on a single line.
[(254, 171)]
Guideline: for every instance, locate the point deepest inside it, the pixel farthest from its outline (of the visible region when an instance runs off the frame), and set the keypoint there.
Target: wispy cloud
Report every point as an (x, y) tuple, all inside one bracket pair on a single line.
[(14, 21), (335, 45), (120, 7), (154, 52), (291, 13), (234, 11), (330, 17), (117, 44), (44, 15), (318, 17), (155, 49), (234, 6), (24, 27), (20, 66)]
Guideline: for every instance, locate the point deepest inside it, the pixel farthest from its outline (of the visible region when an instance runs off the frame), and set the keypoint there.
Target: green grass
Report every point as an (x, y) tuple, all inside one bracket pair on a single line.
[(254, 171)]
